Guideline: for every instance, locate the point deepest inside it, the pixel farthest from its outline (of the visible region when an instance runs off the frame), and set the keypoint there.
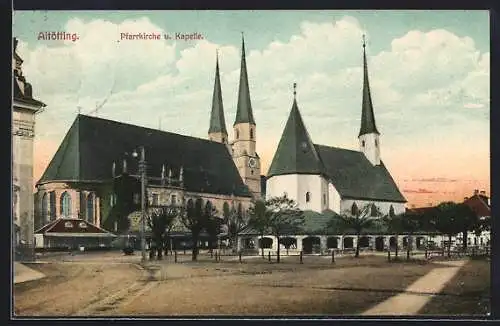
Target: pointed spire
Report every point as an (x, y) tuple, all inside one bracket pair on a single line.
[(217, 121), (368, 125), (244, 112), (296, 152)]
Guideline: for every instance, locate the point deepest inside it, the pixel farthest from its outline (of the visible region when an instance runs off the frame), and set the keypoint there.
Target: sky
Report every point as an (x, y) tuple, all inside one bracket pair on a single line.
[(429, 75)]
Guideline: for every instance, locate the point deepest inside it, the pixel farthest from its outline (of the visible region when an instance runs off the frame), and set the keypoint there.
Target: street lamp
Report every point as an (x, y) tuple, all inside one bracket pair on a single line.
[(142, 170)]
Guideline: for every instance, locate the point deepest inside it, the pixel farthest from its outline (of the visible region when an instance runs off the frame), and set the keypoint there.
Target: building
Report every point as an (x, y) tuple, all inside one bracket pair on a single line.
[(25, 107), (322, 178), (72, 233), (78, 180), (479, 202)]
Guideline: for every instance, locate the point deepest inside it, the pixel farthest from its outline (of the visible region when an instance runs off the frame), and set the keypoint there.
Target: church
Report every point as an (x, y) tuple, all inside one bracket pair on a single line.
[(324, 181), (78, 181)]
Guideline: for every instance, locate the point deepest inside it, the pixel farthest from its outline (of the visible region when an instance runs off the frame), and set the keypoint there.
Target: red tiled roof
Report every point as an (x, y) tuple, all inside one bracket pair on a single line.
[(71, 226), (419, 210), (479, 205)]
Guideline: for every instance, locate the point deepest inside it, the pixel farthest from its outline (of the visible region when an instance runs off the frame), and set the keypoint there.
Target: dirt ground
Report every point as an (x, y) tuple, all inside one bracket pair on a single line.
[(69, 286), (88, 286), (468, 293)]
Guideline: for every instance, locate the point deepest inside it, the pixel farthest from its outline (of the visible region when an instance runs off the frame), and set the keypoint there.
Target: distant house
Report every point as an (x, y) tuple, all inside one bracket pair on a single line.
[(479, 202), (71, 233)]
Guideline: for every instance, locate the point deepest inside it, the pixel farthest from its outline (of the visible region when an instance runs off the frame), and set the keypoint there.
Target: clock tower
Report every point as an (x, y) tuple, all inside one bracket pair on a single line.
[(245, 134)]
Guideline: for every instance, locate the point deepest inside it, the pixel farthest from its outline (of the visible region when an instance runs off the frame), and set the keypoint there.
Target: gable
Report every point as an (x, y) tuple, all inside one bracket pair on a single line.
[(355, 177), (92, 145)]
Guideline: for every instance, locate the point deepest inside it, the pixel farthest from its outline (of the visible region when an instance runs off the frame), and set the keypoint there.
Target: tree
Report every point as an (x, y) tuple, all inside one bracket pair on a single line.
[(394, 226), (212, 223), (410, 223), (468, 220), (236, 221), (160, 221), (284, 217), (447, 219), (259, 220), (359, 220), (193, 221)]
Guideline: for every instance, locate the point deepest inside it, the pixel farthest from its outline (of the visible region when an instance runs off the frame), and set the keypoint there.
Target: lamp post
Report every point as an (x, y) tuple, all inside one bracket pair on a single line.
[(142, 169)]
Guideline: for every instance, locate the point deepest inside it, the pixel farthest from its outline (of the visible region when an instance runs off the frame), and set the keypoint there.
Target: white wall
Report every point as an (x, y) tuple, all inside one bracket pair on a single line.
[(346, 204), (370, 149), (334, 199), (296, 186)]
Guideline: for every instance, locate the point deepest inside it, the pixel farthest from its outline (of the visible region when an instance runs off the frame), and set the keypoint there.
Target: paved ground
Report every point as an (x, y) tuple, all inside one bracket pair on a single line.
[(23, 273), (419, 293)]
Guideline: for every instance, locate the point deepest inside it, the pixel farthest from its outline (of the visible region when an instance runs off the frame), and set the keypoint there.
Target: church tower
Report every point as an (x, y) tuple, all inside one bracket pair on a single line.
[(245, 134), (217, 131), (369, 142)]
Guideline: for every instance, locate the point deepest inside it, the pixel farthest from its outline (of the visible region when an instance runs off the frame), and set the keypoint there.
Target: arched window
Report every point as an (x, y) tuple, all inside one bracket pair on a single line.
[(363, 143), (90, 208), (251, 133), (374, 210), (208, 208), (237, 134), (391, 211), (376, 143), (226, 210), (308, 197), (45, 209), (65, 204), (354, 209)]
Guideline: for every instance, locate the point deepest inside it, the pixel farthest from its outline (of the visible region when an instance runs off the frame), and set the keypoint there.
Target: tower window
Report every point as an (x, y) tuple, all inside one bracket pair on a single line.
[(308, 197), (155, 200), (251, 172), (363, 143), (324, 199), (376, 143), (237, 134), (251, 133)]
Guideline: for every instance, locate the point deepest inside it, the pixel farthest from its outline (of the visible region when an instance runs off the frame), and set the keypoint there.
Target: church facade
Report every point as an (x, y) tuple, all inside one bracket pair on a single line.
[(77, 183), (325, 181), (321, 177), (24, 110)]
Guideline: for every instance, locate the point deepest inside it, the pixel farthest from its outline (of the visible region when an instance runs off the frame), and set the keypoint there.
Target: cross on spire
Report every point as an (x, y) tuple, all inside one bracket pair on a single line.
[(294, 90), (364, 41)]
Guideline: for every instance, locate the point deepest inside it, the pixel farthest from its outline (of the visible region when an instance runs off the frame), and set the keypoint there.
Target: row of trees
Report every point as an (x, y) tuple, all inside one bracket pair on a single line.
[(281, 216), (448, 218)]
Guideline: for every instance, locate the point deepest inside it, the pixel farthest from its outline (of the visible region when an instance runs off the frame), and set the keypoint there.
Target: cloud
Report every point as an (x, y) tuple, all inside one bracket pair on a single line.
[(435, 179), (424, 85), (419, 191)]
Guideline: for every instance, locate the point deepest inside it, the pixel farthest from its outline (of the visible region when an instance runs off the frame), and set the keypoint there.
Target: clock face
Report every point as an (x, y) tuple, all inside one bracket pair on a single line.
[(252, 162)]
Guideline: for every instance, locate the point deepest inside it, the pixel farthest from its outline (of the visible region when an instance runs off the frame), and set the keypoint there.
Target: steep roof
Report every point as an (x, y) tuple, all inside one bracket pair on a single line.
[(368, 125), (92, 144), (354, 177), (296, 153), (71, 226), (217, 121), (244, 113)]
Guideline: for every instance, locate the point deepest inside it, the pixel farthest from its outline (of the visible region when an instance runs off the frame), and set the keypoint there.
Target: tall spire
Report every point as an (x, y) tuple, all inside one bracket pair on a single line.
[(368, 125), (217, 121), (244, 112), (296, 152)]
